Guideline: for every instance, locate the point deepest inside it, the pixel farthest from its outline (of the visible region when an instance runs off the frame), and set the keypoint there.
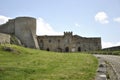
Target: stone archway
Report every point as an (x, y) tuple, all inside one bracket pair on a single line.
[(79, 49), (48, 49), (67, 49)]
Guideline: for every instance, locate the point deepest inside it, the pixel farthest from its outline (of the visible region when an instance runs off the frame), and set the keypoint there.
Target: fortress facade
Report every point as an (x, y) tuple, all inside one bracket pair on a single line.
[(22, 31), (68, 43)]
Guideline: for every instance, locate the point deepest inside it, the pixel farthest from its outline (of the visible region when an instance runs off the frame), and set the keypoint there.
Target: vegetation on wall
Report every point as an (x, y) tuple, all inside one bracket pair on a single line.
[(14, 40)]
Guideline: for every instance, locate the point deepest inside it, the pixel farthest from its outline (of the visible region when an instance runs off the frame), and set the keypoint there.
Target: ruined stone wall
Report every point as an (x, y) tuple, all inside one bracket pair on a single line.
[(69, 43), (86, 44), (92, 44), (50, 42), (56, 43), (8, 27)]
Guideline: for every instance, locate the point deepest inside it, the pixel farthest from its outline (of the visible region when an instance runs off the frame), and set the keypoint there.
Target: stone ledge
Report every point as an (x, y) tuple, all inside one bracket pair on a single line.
[(111, 72), (101, 71)]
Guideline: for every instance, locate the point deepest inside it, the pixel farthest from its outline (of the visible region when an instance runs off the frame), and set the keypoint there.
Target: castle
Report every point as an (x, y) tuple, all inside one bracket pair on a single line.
[(22, 31), (68, 43)]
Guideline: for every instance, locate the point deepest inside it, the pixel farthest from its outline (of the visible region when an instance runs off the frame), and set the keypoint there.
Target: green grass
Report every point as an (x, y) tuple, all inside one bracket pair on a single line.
[(30, 64)]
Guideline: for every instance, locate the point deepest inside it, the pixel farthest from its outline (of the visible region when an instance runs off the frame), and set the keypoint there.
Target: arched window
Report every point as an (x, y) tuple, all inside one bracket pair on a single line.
[(67, 49), (50, 41), (79, 49)]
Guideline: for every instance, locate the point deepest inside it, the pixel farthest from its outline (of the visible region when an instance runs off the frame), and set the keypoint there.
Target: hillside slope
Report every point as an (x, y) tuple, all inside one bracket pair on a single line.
[(19, 63)]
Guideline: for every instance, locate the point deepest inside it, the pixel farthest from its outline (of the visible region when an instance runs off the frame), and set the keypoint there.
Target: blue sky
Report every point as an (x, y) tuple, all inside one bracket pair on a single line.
[(87, 18)]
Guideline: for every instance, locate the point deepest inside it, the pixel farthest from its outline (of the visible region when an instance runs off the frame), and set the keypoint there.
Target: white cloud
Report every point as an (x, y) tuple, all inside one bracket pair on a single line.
[(101, 17), (77, 25), (109, 44), (3, 19), (117, 19), (43, 28)]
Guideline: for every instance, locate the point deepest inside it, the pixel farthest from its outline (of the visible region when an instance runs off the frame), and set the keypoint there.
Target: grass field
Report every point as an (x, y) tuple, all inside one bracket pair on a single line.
[(29, 64)]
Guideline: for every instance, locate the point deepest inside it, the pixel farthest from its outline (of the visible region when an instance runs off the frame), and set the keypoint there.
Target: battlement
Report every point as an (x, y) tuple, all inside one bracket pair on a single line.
[(68, 33)]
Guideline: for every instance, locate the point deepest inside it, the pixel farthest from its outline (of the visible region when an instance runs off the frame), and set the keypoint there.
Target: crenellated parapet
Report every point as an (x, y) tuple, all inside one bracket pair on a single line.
[(68, 33)]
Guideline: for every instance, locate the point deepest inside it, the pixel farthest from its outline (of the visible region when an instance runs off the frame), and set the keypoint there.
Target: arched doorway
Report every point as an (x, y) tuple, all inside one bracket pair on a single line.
[(79, 49), (67, 49), (48, 49)]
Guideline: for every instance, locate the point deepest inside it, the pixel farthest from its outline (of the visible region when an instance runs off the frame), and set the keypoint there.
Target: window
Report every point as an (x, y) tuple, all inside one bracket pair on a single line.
[(48, 49), (79, 49), (50, 41), (67, 41), (67, 49), (58, 41)]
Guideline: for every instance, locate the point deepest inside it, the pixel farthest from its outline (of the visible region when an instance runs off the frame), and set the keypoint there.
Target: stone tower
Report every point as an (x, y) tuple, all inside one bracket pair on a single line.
[(24, 28)]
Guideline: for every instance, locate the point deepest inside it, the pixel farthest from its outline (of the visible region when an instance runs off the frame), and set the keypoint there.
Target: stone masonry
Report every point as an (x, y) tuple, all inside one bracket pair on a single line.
[(24, 28), (4, 38), (68, 43)]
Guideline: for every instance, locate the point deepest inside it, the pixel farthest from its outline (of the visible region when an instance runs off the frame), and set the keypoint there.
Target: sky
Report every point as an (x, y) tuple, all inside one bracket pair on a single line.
[(87, 18)]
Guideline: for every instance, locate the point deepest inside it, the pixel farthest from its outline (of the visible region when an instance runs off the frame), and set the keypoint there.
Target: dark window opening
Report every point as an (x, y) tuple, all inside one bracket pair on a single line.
[(79, 49), (50, 41), (67, 49), (48, 49), (58, 41)]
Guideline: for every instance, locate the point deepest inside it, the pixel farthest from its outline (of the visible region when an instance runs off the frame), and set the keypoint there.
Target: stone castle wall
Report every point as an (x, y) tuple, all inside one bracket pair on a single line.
[(7, 28), (24, 28), (69, 43)]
